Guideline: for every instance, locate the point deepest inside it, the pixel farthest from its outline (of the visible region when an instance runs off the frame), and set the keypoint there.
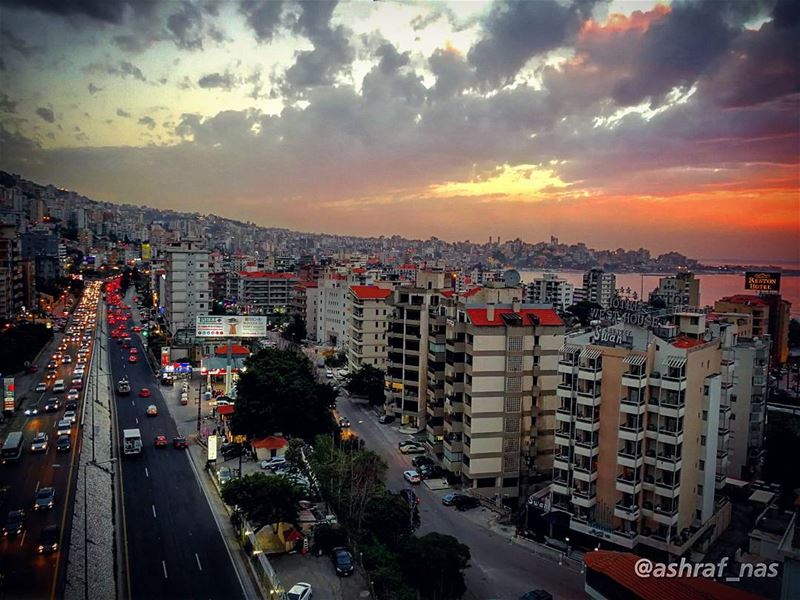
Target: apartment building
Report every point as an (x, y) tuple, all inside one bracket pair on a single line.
[(550, 289), (186, 291), (641, 443), (305, 296), (771, 316), (599, 286), (369, 315), (331, 316), (265, 292), (681, 289), (11, 284)]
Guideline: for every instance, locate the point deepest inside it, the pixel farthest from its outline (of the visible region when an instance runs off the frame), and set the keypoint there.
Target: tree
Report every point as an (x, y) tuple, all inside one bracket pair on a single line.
[(278, 392), (296, 329), (434, 564), (366, 382), (582, 311), (337, 360), (264, 499)]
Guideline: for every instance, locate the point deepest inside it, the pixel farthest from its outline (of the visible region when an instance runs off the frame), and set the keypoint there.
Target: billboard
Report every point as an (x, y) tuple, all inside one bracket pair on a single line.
[(212, 447), (164, 356), (8, 393), (229, 326), (762, 281), (147, 252)]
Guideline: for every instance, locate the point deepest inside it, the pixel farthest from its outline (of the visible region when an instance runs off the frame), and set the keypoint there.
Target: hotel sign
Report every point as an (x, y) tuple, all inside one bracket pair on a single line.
[(227, 326), (612, 336), (762, 281)]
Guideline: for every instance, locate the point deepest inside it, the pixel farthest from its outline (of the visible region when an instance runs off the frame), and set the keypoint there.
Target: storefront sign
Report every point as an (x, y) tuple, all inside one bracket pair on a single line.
[(8, 393), (227, 326), (165, 356), (212, 447), (762, 281)]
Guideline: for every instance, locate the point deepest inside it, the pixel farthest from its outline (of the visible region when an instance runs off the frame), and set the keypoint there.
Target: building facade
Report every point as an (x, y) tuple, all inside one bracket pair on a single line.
[(11, 284), (186, 293), (681, 289), (265, 293), (549, 289), (599, 286), (368, 315)]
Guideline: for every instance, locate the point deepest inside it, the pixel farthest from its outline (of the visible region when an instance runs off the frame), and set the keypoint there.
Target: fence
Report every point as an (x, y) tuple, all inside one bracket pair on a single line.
[(267, 577)]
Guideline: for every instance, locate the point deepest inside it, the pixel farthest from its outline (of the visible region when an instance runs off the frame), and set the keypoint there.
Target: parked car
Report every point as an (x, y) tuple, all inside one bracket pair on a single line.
[(402, 443), (224, 475), (413, 449), (299, 591), (463, 502), (386, 419), (179, 442), (418, 461), (274, 463), (342, 561), (411, 476), (432, 472)]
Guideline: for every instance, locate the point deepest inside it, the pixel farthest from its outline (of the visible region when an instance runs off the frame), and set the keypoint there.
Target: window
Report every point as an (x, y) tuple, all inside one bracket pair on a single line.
[(514, 343), (514, 363), (511, 445), (702, 465), (511, 424), (512, 404), (514, 384), (699, 489), (485, 482), (702, 440)]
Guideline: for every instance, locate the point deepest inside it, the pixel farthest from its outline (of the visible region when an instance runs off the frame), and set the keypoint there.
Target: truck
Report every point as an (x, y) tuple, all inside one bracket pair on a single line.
[(123, 387), (132, 444)]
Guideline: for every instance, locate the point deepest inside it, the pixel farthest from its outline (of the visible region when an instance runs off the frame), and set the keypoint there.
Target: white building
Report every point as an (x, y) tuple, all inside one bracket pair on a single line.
[(186, 291), (369, 317), (549, 289), (331, 318), (600, 286), (266, 293)]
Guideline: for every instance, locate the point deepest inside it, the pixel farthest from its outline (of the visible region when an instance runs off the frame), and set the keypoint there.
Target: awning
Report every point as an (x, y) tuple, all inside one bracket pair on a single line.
[(225, 409), (590, 353), (569, 348), (675, 362), (636, 360)]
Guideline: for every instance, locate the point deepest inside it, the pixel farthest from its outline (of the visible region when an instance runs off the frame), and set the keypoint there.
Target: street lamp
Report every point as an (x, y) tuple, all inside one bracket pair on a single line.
[(86, 521)]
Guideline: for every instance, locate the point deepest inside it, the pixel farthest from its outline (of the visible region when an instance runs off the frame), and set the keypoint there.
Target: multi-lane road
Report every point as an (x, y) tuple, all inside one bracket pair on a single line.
[(174, 548), (27, 573)]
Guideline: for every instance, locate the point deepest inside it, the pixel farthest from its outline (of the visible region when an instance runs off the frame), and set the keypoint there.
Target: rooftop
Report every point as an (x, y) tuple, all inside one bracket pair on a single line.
[(266, 275), (370, 292), (746, 299), (505, 315)]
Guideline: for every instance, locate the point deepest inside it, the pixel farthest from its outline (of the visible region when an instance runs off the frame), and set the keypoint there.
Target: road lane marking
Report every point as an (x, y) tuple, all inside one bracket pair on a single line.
[(154, 511), (137, 420), (22, 541), (146, 472), (197, 558), (164, 565), (37, 486), (133, 403)]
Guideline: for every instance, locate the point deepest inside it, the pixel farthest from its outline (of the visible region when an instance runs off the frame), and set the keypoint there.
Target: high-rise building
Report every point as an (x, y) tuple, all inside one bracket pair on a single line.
[(550, 289), (11, 284), (681, 289), (368, 316), (771, 316), (186, 291), (332, 322), (265, 293), (642, 435), (599, 286)]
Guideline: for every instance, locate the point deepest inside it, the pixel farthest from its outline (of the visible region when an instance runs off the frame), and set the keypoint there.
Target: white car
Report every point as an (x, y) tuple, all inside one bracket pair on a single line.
[(39, 442), (41, 387), (70, 415), (411, 476), (64, 427), (73, 394), (413, 449), (273, 463), (299, 591), (343, 372)]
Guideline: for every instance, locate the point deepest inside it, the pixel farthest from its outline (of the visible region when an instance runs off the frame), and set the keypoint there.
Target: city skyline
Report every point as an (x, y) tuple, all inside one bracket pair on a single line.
[(624, 124)]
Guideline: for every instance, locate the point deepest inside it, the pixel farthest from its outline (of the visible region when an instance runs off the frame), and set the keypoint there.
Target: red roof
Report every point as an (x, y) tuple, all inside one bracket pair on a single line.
[(620, 566), (547, 316), (306, 284), (359, 270), (236, 350), (370, 292), (407, 266), (471, 292), (744, 299), (686, 342), (271, 442), (226, 409), (447, 293), (266, 275)]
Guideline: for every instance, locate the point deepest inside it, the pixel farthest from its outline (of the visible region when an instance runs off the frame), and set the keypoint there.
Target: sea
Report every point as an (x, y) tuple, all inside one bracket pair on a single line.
[(712, 285)]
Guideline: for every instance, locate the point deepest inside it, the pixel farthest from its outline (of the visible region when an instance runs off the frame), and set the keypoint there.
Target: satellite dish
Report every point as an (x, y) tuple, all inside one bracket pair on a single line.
[(512, 278)]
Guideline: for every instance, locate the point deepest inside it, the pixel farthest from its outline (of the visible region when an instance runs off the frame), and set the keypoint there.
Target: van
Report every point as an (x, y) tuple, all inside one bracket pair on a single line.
[(58, 386)]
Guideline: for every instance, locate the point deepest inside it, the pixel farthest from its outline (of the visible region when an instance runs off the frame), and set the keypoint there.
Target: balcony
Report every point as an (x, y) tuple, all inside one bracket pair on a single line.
[(673, 409), (564, 391), (668, 436), (665, 516), (650, 457), (561, 461), (587, 448), (674, 384), (590, 373), (632, 461), (587, 423), (560, 486), (628, 513), (719, 481), (724, 435), (631, 432), (634, 381), (631, 406), (584, 498), (668, 490), (585, 474), (589, 397), (669, 462), (566, 367), (628, 486), (564, 415)]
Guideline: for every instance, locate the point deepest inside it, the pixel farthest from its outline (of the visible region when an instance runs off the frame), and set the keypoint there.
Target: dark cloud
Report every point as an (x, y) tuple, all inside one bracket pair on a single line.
[(148, 122), (514, 32), (224, 81), (132, 43), (420, 22), (6, 104), (122, 69), (93, 89), (453, 73), (186, 26), (46, 114), (9, 41), (391, 59), (263, 17), (2, 64), (123, 114), (108, 11)]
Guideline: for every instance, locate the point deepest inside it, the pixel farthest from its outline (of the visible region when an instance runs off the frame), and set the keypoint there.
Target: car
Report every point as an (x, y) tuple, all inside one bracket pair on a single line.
[(52, 405), (71, 405), (344, 422), (45, 498), (411, 476), (413, 449), (66, 360), (463, 502), (537, 595), (299, 591), (50, 376), (64, 427), (386, 419), (144, 393), (179, 442), (161, 441), (167, 380), (343, 372), (342, 561), (133, 358), (63, 443), (409, 496), (402, 443), (33, 411), (432, 471), (48, 540), (134, 351), (137, 328), (39, 443), (329, 374), (224, 475), (76, 384), (274, 463), (40, 387), (70, 415), (418, 461), (32, 369), (449, 498), (73, 394), (15, 523)]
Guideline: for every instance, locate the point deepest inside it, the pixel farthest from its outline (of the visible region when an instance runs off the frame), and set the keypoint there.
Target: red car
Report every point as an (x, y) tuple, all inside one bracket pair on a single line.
[(137, 328), (144, 393), (134, 351), (133, 358), (179, 442), (161, 441)]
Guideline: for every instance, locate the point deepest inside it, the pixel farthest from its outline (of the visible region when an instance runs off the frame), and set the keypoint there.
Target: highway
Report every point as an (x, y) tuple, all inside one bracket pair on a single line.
[(27, 573), (174, 548)]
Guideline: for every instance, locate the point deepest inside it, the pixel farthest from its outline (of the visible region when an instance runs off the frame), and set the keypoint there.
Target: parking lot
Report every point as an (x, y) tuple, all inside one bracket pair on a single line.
[(318, 571)]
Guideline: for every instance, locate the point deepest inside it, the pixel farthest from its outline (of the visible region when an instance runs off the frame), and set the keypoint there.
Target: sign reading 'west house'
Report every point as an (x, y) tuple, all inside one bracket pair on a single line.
[(762, 281)]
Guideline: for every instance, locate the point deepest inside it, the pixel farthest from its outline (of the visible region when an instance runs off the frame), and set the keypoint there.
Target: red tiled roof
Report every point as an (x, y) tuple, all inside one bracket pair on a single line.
[(471, 292), (547, 316), (744, 299), (370, 292), (447, 293), (619, 566), (271, 442), (236, 349), (266, 275)]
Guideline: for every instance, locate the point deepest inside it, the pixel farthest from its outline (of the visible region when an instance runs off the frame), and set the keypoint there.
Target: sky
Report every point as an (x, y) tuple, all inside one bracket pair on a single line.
[(672, 126)]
